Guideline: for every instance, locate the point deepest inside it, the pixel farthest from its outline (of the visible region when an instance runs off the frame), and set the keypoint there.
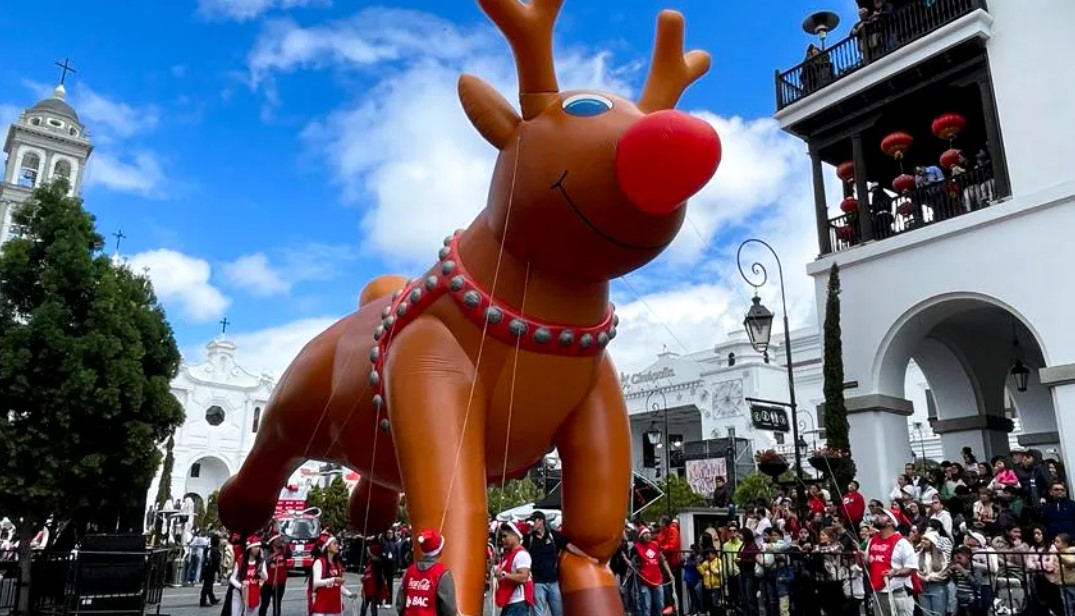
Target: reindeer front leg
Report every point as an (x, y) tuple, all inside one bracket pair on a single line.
[(441, 447), (595, 447)]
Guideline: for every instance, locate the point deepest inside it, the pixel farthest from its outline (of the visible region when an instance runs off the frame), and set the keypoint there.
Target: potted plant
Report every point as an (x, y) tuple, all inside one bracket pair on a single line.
[(825, 458), (771, 463)]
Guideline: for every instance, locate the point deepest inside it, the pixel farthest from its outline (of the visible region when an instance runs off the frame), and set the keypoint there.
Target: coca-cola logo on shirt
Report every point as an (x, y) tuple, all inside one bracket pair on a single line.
[(419, 585), (651, 554)]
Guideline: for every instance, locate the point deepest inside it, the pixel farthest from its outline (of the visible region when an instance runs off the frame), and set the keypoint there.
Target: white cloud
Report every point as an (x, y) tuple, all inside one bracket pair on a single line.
[(271, 350), (140, 174), (404, 148), (243, 10), (110, 119), (255, 274), (182, 282)]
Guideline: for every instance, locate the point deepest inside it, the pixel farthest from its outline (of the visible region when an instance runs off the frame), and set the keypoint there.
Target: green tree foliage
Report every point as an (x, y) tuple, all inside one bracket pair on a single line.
[(677, 496), (334, 505), (515, 493), (755, 488), (86, 361), (164, 489), (836, 426), (209, 518)]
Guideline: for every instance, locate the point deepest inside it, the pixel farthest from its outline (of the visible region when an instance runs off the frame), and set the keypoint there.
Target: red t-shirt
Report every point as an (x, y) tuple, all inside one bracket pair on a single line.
[(650, 568), (879, 558)]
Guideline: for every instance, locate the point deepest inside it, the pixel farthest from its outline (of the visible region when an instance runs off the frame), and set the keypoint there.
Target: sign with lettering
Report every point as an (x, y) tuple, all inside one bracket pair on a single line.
[(770, 418), (641, 378), (702, 474)]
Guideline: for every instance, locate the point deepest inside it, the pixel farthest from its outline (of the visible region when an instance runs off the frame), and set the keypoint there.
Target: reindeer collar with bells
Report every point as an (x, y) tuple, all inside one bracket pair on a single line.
[(500, 321)]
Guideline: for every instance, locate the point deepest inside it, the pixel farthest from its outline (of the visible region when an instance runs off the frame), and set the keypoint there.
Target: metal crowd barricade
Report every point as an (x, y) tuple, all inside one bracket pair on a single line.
[(88, 582)]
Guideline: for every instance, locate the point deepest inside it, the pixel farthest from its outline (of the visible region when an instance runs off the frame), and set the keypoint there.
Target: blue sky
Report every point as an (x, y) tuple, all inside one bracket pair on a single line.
[(265, 158)]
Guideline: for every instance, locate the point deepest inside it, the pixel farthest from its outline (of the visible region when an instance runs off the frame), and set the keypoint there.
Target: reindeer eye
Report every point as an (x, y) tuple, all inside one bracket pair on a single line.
[(587, 105)]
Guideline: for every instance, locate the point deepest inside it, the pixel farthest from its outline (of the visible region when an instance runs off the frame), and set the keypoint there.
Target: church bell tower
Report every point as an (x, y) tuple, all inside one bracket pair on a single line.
[(48, 141)]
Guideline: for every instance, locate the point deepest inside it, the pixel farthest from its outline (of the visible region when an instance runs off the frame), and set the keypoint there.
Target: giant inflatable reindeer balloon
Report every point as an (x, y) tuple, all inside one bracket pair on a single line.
[(472, 372)]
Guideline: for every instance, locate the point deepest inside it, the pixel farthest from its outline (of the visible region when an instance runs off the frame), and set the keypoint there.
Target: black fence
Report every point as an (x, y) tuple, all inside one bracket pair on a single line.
[(870, 40), (924, 205), (86, 582), (797, 583)]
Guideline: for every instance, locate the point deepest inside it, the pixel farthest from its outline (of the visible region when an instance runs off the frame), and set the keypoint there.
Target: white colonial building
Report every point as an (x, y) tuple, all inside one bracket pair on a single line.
[(46, 142), (223, 404), (703, 397), (964, 270)]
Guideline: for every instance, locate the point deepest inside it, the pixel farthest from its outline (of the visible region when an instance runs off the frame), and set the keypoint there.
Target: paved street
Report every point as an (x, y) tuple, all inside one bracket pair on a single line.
[(184, 601)]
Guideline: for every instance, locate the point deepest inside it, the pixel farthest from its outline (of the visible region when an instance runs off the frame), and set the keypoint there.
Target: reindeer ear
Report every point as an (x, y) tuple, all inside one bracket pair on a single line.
[(488, 111)]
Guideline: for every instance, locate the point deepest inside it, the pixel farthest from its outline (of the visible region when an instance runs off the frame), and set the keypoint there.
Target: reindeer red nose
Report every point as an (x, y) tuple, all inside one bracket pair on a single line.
[(664, 158)]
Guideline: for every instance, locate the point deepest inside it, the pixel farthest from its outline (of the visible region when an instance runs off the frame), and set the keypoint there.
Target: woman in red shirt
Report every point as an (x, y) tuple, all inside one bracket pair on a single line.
[(649, 561), (276, 564)]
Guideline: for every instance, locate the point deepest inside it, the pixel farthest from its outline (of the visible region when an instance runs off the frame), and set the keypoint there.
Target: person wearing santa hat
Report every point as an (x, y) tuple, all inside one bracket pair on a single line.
[(427, 588), (514, 593), (276, 564), (326, 590), (244, 591), (890, 562)]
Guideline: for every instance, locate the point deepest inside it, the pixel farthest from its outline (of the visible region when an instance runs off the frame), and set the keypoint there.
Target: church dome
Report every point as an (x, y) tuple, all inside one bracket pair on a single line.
[(56, 105)]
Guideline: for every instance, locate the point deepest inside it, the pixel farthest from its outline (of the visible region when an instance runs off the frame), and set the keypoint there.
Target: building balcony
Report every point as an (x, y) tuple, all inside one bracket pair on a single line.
[(870, 40), (891, 214)]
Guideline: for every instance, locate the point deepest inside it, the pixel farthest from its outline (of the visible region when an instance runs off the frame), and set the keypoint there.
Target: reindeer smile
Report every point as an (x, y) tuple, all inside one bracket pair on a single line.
[(559, 185)]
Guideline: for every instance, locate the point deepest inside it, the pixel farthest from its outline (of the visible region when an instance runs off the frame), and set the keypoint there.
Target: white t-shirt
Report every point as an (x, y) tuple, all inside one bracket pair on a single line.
[(522, 561)]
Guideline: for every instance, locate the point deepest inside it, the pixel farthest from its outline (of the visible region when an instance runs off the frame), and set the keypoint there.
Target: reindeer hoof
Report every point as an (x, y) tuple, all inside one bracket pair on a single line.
[(604, 600)]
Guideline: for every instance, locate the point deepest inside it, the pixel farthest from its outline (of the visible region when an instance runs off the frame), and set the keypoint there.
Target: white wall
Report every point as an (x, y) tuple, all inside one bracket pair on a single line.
[(1030, 56)]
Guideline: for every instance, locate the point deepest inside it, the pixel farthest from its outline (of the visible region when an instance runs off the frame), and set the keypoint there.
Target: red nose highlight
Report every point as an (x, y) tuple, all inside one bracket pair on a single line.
[(665, 158)]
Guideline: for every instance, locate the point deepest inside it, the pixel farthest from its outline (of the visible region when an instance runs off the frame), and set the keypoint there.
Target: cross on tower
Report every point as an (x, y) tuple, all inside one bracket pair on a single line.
[(224, 323), (66, 68), (119, 238)]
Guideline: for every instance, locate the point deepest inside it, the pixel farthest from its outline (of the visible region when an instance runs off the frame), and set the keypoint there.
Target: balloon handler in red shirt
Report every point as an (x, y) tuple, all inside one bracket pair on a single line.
[(427, 588)]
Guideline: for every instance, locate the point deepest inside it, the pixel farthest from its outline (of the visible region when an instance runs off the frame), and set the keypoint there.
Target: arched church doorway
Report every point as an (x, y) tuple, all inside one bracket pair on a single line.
[(204, 476), (978, 361)]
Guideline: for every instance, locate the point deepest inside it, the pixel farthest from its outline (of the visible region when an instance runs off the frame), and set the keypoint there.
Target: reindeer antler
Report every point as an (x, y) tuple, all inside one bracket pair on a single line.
[(528, 28), (671, 70)]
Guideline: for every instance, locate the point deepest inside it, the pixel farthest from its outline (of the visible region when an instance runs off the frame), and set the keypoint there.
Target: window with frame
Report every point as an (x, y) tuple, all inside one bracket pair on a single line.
[(196, 470), (28, 169), (62, 170), (257, 419), (214, 415)]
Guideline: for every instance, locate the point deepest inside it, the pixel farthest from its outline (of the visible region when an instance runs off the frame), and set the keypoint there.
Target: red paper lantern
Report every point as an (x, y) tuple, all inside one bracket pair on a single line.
[(845, 233), (951, 158), (903, 183), (846, 171), (849, 205), (906, 209), (895, 144), (947, 126)]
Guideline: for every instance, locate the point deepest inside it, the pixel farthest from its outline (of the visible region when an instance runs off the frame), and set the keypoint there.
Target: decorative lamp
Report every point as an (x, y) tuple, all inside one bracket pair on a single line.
[(903, 183), (759, 325), (951, 157), (845, 233), (849, 205), (1020, 374), (846, 171), (896, 144), (948, 125)]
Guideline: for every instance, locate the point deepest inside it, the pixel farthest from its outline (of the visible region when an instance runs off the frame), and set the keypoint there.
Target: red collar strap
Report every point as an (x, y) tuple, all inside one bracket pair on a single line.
[(502, 322)]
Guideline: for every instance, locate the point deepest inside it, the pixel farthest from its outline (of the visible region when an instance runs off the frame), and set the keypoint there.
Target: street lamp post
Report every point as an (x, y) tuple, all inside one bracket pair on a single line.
[(666, 443), (759, 326)]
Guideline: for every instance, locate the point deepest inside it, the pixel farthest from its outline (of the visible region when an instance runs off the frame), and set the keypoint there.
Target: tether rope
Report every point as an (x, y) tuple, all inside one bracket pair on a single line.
[(481, 344), (511, 396)]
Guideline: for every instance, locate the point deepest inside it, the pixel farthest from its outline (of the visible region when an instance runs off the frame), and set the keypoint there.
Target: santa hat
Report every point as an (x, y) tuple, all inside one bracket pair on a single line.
[(253, 541), (511, 526), (275, 537), (430, 542), (644, 530), (324, 541)]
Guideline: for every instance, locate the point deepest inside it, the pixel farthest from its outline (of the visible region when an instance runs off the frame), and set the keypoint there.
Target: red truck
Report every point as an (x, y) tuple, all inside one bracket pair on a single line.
[(299, 525)]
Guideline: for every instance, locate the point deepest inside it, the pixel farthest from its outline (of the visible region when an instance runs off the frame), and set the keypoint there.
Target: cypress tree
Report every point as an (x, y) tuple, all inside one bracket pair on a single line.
[(836, 426)]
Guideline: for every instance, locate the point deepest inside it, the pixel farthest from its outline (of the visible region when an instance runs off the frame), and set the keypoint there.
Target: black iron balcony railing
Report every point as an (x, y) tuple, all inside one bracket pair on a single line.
[(870, 40), (890, 215)]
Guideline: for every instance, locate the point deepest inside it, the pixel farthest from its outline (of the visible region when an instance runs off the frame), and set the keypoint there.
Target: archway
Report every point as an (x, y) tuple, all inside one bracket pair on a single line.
[(204, 476), (966, 346)]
